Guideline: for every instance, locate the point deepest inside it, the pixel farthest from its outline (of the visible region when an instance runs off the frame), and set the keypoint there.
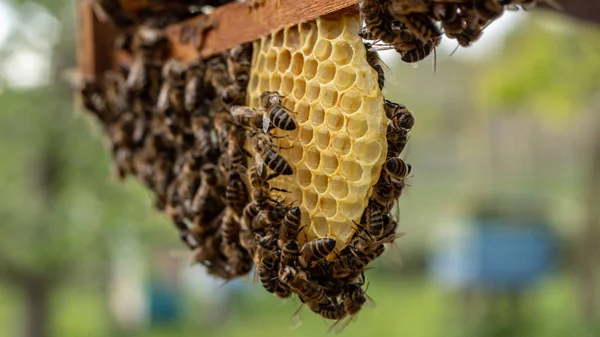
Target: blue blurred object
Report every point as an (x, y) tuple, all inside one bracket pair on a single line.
[(164, 304), (494, 254)]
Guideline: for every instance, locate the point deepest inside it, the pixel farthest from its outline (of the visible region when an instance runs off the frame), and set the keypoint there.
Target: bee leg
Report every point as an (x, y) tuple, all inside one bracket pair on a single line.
[(279, 190)]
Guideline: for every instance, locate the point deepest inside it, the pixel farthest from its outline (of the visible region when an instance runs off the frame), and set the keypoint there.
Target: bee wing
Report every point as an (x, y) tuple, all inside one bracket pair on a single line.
[(135, 77), (163, 97), (369, 303), (340, 324), (266, 123), (296, 321), (259, 164)]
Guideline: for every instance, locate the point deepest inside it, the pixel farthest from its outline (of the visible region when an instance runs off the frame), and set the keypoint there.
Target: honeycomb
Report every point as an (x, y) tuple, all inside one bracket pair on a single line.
[(338, 149)]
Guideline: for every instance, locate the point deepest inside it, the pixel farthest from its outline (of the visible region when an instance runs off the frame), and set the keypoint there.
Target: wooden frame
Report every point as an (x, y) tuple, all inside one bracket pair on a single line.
[(204, 35)]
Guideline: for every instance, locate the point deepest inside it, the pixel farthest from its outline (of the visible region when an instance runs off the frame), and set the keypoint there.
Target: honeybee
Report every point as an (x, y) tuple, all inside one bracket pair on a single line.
[(278, 114), (94, 100), (290, 226), (316, 250), (282, 290), (488, 10), (250, 118), (377, 21), (216, 74), (229, 228), (421, 26), (376, 63), (271, 158), (330, 310), (211, 178), (236, 195), (375, 222), (194, 88), (151, 40), (400, 116), (353, 299), (238, 64), (447, 13), (396, 139), (308, 291), (268, 278), (289, 253), (384, 194), (420, 51), (232, 95), (172, 93), (407, 7), (397, 170)]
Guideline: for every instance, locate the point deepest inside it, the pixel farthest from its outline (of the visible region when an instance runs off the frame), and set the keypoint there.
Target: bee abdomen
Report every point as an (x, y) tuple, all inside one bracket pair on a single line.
[(282, 119)]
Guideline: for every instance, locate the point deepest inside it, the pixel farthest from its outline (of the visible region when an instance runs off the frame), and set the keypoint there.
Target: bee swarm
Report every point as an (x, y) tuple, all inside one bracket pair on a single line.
[(280, 154)]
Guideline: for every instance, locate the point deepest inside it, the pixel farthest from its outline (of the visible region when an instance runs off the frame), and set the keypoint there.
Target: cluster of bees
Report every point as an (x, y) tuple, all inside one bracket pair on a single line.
[(414, 28), (184, 131)]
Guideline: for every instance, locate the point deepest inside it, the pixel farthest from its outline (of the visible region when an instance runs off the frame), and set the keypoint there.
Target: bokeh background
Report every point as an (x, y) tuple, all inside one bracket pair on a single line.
[(502, 215)]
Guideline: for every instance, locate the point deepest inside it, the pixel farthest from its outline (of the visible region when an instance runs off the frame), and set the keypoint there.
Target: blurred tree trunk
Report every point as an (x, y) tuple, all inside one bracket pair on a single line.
[(588, 260), (37, 302)]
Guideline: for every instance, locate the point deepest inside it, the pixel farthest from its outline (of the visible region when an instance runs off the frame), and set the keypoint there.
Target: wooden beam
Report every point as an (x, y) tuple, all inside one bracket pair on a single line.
[(235, 24), (94, 41)]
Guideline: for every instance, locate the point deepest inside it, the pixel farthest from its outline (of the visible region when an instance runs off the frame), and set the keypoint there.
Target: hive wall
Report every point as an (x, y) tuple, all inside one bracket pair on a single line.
[(339, 147)]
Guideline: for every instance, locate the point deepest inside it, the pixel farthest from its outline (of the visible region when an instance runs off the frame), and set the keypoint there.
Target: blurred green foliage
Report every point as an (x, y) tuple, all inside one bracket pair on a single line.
[(550, 67)]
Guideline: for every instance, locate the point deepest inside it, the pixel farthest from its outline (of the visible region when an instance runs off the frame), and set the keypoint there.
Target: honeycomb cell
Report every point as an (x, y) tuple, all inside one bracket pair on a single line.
[(305, 219), (310, 69), (330, 29), (350, 102), (344, 78), (304, 177), (264, 83), (314, 90), (288, 85), (310, 199), (297, 63), (341, 144), (284, 60), (321, 228), (367, 151), (255, 101), (357, 127), (325, 72), (323, 138), (299, 88), (271, 60), (312, 159), (342, 53), (328, 97), (306, 134), (253, 84), (292, 37), (352, 210), (366, 81), (338, 188), (330, 163), (309, 42), (260, 64), (321, 182), (323, 50), (296, 154), (329, 206), (278, 38), (266, 44), (335, 120), (275, 82), (318, 115), (351, 170), (303, 110)]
